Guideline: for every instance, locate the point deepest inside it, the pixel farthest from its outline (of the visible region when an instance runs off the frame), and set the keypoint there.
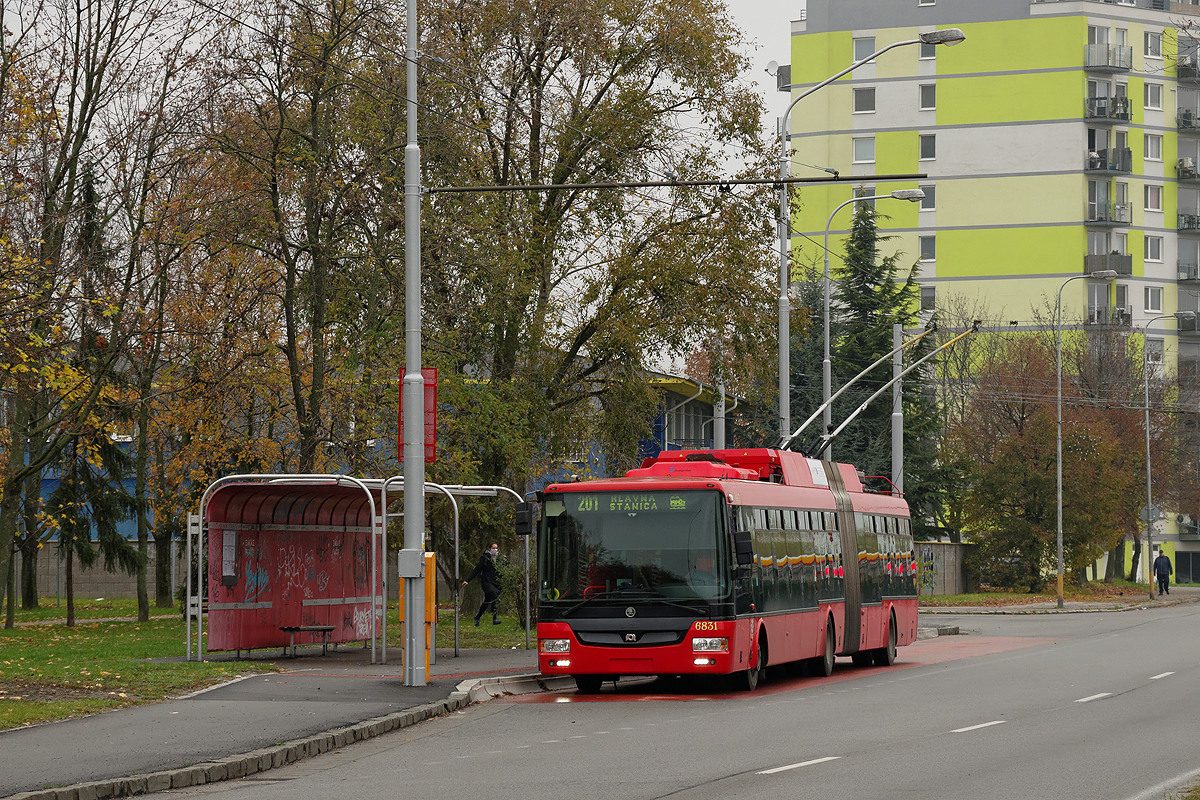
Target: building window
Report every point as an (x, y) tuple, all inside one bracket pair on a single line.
[(928, 96), (864, 149), (1153, 298), (928, 248), (928, 146), (865, 192), (1153, 252), (928, 298), (1154, 351), (1153, 45), (928, 51), (1153, 197), (864, 46), (864, 99), (1154, 146), (1153, 92), (929, 201)]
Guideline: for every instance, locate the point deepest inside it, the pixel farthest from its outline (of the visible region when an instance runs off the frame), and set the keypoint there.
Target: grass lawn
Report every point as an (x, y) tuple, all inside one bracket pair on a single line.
[(107, 661), (1091, 592)]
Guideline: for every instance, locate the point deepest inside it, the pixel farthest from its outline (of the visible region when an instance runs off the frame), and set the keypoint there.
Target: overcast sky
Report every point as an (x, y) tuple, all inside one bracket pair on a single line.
[(767, 23)]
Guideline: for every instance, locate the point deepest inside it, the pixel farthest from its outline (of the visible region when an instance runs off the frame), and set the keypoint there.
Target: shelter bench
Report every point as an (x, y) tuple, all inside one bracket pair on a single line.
[(292, 630)]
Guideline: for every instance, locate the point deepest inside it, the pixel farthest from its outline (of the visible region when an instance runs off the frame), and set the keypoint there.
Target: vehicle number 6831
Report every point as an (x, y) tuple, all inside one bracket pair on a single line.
[(705, 625)]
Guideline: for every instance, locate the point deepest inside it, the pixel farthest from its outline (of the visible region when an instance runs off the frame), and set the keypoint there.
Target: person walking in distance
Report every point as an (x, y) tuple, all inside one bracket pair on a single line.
[(1162, 571), (489, 580)]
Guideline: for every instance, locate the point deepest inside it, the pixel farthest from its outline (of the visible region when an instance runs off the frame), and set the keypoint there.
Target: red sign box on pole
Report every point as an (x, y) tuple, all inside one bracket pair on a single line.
[(430, 376)]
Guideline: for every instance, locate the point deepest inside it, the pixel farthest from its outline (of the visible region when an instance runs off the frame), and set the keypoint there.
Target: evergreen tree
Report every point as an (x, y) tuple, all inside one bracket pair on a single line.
[(870, 299)]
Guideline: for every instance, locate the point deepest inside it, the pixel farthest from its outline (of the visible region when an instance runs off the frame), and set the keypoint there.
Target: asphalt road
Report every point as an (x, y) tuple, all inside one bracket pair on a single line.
[(1086, 706)]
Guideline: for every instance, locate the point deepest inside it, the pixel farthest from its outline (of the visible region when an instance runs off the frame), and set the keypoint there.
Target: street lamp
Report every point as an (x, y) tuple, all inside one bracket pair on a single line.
[(1103, 274), (1179, 315), (948, 36), (912, 195)]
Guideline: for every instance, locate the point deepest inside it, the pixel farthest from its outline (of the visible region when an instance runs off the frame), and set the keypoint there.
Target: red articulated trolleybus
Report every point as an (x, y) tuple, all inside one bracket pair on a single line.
[(721, 562)]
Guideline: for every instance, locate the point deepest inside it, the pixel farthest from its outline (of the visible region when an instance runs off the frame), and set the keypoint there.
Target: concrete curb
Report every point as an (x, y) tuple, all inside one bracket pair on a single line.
[(1018, 610), (239, 766), (934, 631)]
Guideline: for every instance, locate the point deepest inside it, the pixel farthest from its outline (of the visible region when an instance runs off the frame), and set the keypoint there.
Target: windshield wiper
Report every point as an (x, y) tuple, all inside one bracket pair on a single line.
[(690, 605)]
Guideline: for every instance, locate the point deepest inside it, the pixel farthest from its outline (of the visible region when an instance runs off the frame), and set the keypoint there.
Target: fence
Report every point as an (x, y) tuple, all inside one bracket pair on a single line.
[(941, 568)]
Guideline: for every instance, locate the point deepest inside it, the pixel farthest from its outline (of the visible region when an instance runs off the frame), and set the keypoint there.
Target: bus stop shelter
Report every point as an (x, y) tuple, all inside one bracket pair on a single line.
[(284, 556)]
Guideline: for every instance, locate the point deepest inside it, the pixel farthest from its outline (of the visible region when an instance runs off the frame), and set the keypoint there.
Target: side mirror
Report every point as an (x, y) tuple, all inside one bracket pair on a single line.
[(743, 548), (523, 519)]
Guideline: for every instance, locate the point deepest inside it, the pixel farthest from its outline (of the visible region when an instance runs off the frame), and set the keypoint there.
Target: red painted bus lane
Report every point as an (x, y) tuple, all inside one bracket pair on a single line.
[(919, 654)]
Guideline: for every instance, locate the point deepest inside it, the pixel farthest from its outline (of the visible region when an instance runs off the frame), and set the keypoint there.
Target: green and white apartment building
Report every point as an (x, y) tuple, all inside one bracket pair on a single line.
[(1061, 138)]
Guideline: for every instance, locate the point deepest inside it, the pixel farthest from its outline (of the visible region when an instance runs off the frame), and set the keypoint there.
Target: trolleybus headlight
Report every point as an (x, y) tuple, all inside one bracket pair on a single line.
[(710, 645), (555, 645)]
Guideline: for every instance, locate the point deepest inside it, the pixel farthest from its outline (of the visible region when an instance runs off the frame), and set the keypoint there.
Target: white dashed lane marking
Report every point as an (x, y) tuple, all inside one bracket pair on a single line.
[(1090, 698), (797, 766), (980, 725)]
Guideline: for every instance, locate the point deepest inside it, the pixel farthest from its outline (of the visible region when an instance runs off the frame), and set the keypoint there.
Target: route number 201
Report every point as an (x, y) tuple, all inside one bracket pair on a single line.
[(705, 625)]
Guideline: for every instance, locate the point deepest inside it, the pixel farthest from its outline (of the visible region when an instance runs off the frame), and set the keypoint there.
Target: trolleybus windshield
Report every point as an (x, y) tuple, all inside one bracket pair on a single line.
[(627, 545)]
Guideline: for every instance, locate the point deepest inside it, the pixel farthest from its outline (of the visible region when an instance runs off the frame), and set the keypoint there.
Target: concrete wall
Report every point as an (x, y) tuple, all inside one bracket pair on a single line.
[(94, 582), (942, 568)]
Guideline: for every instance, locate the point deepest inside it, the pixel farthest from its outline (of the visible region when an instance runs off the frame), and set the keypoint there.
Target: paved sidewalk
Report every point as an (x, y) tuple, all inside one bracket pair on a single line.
[(316, 704)]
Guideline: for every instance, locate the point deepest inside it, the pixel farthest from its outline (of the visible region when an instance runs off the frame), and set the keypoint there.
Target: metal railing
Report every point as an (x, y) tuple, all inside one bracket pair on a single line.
[(1107, 108), (1108, 213), (1121, 263), (1110, 160), (1108, 57)]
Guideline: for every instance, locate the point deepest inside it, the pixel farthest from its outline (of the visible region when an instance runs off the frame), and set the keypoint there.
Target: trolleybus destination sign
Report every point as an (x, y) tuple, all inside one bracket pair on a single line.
[(619, 503)]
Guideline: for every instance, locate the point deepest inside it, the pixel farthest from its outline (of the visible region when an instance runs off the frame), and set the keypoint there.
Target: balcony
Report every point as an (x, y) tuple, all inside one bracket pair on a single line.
[(1108, 58), (1185, 170), (1186, 70), (1110, 316), (1189, 223), (1112, 214), (1187, 327), (1106, 109), (1119, 263), (1186, 119), (1189, 531), (1110, 162), (1188, 272)]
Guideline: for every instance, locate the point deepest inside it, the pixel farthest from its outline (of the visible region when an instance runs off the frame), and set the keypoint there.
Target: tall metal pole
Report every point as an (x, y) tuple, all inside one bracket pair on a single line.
[(1180, 315), (1149, 492), (412, 558), (897, 409), (1106, 274), (785, 354), (912, 195)]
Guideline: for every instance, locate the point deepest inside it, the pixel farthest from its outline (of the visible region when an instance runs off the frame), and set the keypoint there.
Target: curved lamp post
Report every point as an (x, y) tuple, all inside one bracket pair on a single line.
[(912, 195), (1103, 274), (948, 36), (1179, 315)]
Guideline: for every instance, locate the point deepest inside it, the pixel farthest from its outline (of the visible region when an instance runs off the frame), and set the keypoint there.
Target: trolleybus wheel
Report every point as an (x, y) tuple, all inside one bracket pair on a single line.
[(588, 684), (822, 666), (886, 655), (751, 676)]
